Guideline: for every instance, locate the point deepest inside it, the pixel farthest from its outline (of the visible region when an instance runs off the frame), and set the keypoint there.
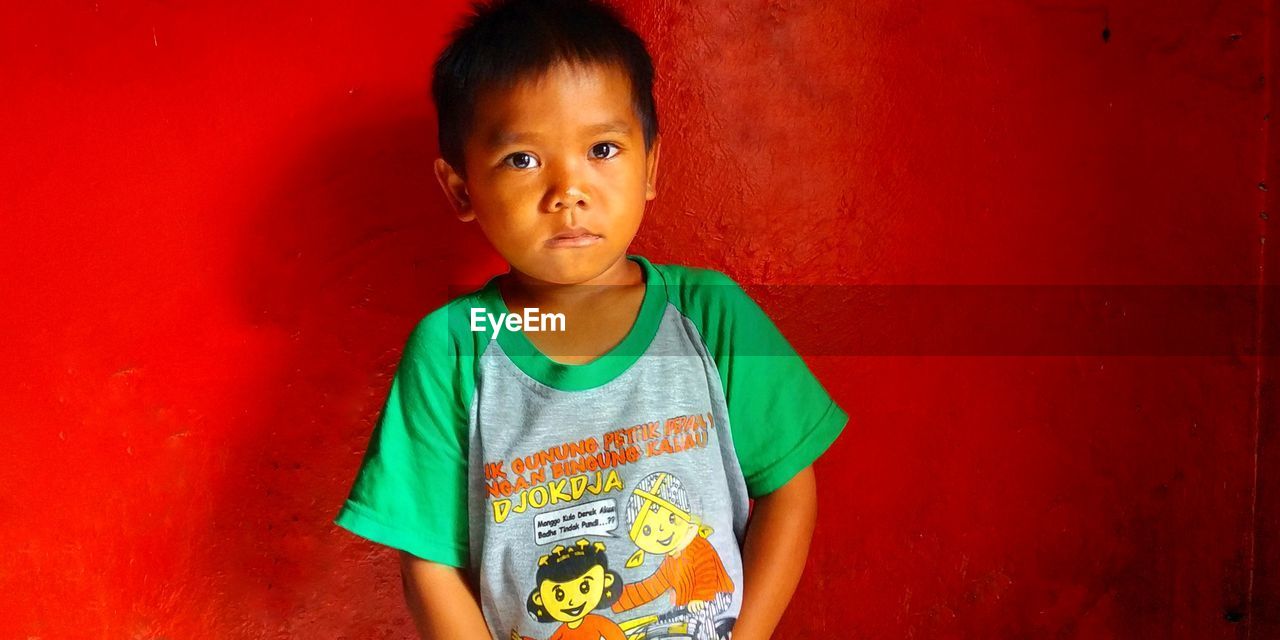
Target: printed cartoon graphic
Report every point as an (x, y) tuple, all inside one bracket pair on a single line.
[(571, 583), (660, 523)]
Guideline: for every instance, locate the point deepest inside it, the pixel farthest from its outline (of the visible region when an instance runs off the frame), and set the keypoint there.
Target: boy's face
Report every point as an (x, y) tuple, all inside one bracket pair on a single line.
[(561, 154)]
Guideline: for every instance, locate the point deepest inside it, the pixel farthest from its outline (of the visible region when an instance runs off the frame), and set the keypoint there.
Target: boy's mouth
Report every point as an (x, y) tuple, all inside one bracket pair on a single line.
[(666, 541), (574, 237)]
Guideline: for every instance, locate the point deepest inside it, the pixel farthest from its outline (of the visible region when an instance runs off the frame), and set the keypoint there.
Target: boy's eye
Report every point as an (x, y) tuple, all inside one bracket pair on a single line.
[(584, 587), (559, 592), (604, 150), (646, 530), (672, 517), (521, 160)]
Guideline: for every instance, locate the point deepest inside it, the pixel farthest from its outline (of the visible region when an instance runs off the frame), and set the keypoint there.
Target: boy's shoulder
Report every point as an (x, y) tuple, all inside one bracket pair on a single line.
[(726, 317), (446, 329), (679, 275), (699, 291)]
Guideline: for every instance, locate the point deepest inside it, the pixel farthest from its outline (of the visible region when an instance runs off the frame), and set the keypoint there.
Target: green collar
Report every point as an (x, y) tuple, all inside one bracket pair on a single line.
[(598, 372)]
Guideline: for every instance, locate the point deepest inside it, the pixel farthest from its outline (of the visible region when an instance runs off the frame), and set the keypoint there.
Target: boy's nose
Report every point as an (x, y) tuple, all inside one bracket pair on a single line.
[(565, 190)]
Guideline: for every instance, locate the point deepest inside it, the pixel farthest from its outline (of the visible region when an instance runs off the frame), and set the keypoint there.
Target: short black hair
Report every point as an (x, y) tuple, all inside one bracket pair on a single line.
[(505, 41), (566, 563)]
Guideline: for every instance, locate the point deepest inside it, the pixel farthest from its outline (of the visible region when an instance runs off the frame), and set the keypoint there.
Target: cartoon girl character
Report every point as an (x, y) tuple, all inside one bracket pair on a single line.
[(661, 524), (571, 583)]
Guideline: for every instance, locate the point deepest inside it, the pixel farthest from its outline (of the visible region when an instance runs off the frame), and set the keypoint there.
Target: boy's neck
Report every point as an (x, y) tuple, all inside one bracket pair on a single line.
[(520, 290), (598, 314)]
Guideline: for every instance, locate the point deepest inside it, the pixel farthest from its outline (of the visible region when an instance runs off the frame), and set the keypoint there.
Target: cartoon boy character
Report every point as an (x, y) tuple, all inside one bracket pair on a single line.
[(661, 524), (571, 583)]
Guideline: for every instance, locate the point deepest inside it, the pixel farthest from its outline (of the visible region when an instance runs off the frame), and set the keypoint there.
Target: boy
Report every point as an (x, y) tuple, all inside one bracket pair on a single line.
[(592, 481)]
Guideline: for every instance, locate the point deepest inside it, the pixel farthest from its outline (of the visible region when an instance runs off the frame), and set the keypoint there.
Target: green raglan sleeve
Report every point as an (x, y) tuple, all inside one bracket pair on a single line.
[(410, 492), (780, 416)]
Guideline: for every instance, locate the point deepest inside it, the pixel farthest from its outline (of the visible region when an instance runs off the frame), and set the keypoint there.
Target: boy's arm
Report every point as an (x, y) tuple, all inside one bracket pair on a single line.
[(440, 601), (774, 553)]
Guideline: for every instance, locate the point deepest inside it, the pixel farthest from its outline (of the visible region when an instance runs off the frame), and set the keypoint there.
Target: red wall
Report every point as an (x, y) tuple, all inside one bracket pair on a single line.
[(220, 224)]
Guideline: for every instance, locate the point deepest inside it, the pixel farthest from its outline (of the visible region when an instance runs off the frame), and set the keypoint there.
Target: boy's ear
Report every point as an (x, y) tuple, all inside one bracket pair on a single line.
[(651, 170), (455, 189)]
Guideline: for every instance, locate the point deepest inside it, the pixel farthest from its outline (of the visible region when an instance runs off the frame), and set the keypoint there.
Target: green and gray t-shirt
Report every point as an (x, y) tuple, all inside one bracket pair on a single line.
[(601, 500)]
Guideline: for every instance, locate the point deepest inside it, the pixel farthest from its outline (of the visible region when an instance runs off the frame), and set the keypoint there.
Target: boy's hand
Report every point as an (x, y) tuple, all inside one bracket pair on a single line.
[(440, 601), (773, 557)]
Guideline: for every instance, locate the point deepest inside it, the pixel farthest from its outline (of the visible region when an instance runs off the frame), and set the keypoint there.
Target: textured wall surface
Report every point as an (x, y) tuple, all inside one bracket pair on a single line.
[(220, 224)]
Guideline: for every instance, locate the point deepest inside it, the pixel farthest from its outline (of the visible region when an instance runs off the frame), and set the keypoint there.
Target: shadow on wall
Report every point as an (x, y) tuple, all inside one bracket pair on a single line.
[(352, 249)]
